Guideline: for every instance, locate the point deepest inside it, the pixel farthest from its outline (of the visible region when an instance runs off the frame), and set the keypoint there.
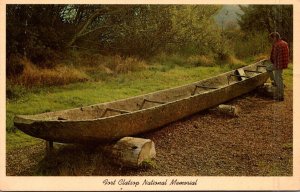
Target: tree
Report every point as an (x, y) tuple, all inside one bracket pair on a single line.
[(44, 32), (194, 26), (268, 18)]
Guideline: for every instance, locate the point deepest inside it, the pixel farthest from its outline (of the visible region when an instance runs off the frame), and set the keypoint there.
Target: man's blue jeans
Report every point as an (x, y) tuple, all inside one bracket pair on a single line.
[(276, 77)]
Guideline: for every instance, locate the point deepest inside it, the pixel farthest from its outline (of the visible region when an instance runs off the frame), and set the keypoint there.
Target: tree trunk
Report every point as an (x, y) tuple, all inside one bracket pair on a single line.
[(229, 110), (130, 151), (84, 27)]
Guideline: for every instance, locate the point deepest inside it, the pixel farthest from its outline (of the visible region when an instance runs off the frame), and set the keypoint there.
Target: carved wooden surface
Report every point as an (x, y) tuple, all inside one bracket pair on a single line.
[(85, 124)]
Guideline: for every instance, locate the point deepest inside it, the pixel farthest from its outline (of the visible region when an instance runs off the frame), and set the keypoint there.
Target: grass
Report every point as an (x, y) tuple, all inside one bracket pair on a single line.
[(288, 76), (18, 140), (59, 75)]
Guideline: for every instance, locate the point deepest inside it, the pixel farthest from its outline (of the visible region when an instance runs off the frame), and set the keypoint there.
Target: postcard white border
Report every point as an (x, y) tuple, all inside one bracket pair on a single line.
[(94, 183)]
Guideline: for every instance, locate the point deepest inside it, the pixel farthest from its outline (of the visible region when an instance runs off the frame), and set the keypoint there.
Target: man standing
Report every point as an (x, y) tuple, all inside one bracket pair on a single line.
[(279, 59)]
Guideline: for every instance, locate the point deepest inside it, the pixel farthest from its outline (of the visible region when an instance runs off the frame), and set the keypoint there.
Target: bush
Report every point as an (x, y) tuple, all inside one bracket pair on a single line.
[(82, 67), (44, 57), (108, 64), (261, 56), (130, 64), (252, 45), (201, 60), (59, 75), (14, 91), (84, 59), (231, 59), (14, 66), (117, 64), (169, 60), (233, 62)]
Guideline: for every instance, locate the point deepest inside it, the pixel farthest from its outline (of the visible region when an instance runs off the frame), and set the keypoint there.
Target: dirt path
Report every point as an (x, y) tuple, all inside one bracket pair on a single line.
[(258, 142)]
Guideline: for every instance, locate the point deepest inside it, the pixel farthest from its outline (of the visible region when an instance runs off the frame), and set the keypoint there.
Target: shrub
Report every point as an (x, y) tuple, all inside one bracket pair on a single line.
[(78, 66), (261, 56), (169, 59), (234, 63), (14, 91), (44, 57), (14, 66), (118, 64), (130, 64), (231, 59), (59, 75), (106, 64), (84, 59), (112, 62), (98, 73), (200, 60), (252, 45)]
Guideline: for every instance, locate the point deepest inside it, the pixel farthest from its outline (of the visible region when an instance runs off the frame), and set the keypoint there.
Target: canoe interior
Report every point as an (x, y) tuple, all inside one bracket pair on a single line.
[(154, 99)]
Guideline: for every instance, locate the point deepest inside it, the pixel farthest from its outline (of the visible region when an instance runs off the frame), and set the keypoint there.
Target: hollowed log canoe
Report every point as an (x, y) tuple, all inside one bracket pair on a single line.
[(132, 116)]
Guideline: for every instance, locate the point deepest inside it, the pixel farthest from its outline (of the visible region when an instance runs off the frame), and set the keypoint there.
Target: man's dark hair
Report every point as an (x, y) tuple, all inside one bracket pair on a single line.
[(275, 34)]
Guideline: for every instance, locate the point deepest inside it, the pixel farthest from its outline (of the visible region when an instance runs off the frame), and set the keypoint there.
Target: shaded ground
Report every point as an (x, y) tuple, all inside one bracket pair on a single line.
[(258, 142)]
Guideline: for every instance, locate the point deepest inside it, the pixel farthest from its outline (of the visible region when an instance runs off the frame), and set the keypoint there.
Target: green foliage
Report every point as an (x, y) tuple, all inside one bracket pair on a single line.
[(250, 45), (34, 31), (195, 31), (145, 31), (268, 18), (201, 60), (14, 91), (45, 33), (169, 60), (256, 22), (288, 76)]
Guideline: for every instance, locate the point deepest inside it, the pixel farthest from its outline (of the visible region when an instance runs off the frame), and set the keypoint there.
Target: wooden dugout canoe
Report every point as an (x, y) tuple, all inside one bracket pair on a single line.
[(114, 120)]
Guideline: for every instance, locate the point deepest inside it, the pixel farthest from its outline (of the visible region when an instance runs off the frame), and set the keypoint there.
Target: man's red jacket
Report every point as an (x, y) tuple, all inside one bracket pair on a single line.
[(280, 54)]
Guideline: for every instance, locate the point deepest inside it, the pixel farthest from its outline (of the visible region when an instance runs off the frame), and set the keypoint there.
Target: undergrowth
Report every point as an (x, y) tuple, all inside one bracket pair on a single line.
[(59, 75), (84, 66)]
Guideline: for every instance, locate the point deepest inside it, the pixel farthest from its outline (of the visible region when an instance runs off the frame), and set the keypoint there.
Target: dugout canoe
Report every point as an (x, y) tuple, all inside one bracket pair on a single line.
[(114, 120)]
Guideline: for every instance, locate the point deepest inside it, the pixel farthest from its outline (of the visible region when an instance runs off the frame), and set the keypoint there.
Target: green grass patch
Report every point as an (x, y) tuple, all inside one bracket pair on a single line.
[(18, 140), (288, 76)]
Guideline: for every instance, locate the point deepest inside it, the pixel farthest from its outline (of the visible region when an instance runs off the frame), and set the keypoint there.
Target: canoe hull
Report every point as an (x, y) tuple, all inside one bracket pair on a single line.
[(113, 128)]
